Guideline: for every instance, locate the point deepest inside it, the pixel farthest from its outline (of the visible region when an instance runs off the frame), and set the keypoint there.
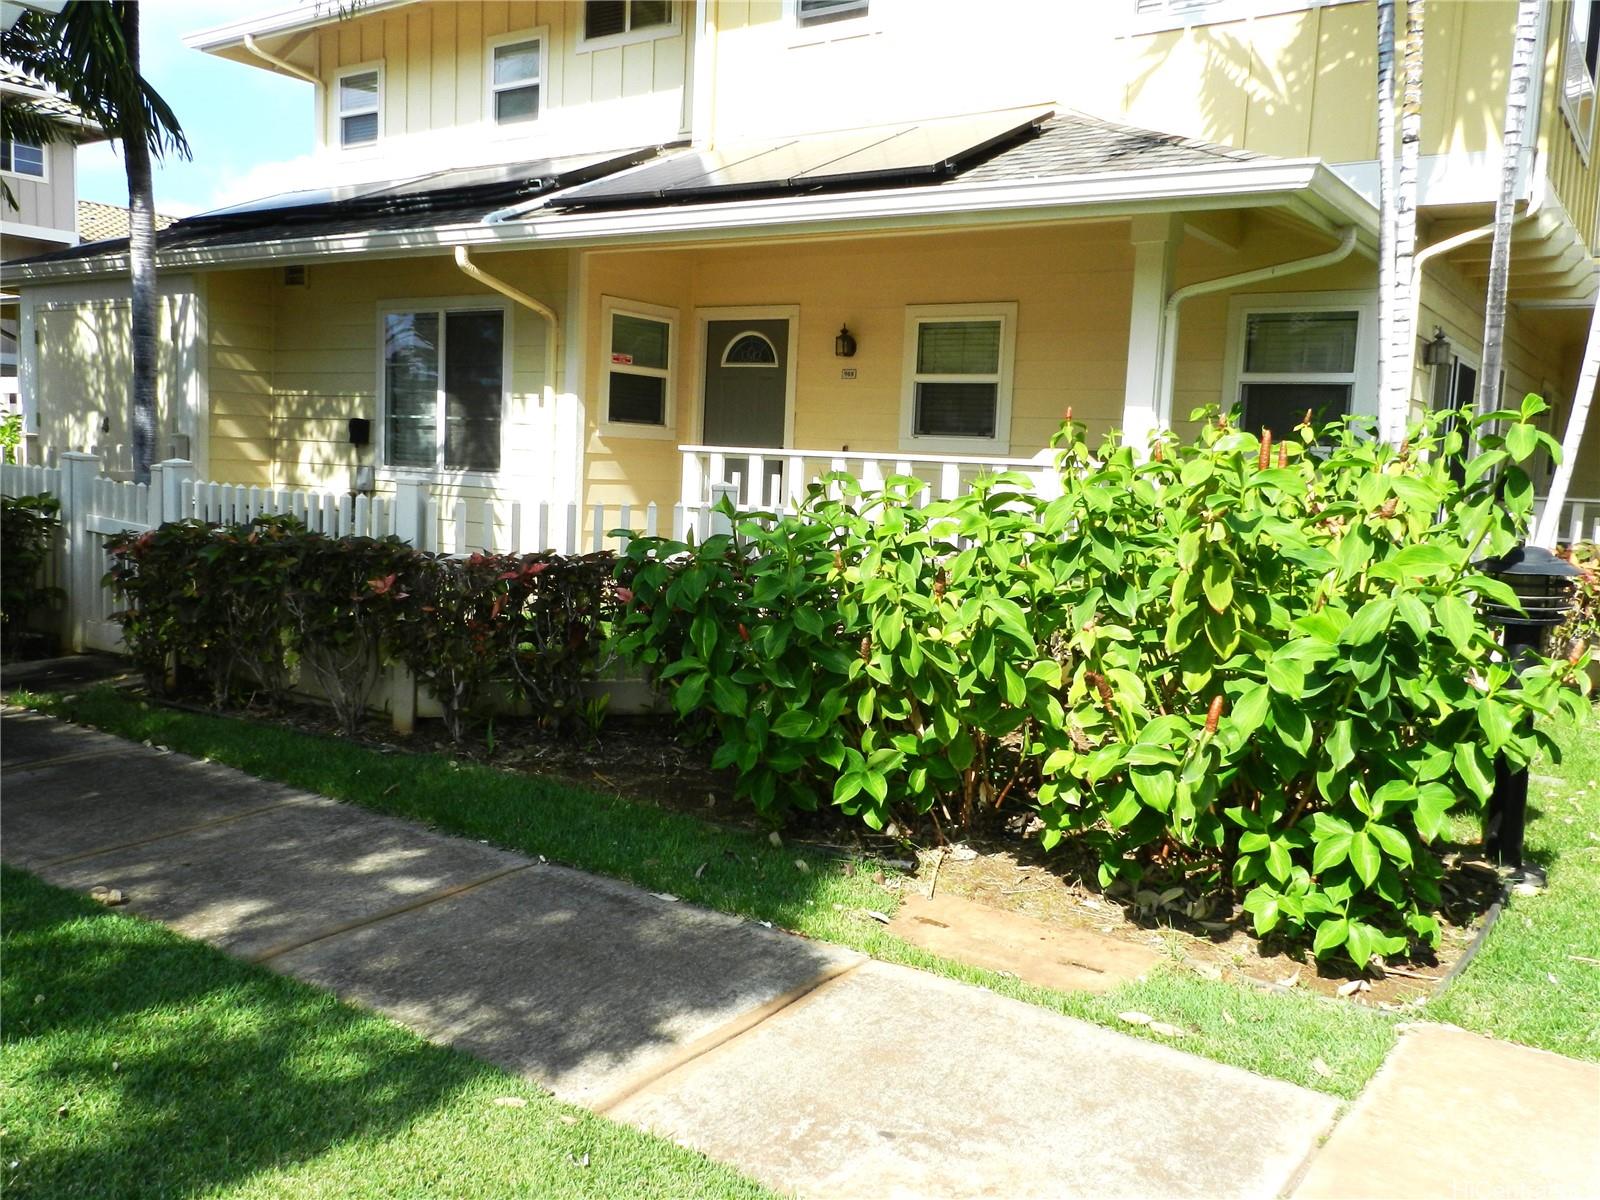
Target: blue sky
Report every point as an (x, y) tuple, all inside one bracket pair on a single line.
[(250, 129)]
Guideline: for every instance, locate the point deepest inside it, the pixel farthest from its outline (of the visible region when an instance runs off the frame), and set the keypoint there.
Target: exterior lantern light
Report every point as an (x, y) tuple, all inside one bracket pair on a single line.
[(1437, 351), (1543, 584), (844, 346)]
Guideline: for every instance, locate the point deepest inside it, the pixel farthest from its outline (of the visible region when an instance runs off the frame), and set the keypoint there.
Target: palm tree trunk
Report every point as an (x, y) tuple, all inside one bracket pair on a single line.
[(1386, 280), (1517, 93), (142, 271), (1549, 529), (1395, 410)]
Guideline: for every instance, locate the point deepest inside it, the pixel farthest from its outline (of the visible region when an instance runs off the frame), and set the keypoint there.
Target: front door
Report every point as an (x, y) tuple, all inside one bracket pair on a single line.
[(746, 397)]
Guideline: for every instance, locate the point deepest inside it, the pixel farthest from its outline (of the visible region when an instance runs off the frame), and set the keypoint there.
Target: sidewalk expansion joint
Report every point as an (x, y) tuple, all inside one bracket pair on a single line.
[(172, 833), (59, 760), (411, 905), (723, 1034)]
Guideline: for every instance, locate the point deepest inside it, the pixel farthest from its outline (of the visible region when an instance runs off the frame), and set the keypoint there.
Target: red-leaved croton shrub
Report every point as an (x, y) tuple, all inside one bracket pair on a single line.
[(243, 606)]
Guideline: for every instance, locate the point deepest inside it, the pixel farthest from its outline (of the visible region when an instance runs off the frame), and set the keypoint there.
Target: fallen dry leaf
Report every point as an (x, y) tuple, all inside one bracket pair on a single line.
[(109, 896), (1228, 1017), (1166, 1030), (1135, 1018), (1322, 1068), (801, 866), (774, 838), (511, 1102), (665, 896), (700, 870), (1354, 986), (876, 915), (1290, 981), (567, 1119)]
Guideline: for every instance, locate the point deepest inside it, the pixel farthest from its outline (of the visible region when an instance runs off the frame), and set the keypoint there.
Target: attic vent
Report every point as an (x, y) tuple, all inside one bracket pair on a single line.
[(294, 276)]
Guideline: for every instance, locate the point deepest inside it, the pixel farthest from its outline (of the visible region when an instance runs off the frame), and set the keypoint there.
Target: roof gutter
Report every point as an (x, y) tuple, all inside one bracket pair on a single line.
[(552, 323), (1169, 314), (282, 64)]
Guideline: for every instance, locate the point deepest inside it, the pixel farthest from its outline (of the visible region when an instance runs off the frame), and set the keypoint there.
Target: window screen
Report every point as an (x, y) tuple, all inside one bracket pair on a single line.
[(22, 158), (958, 347), (516, 81), (358, 109), (411, 387), (640, 361), (1295, 361)]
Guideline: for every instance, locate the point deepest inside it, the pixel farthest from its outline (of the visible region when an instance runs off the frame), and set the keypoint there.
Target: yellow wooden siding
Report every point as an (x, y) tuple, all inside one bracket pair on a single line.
[(326, 370), (1072, 285), (1574, 177), (83, 365), (239, 324), (435, 60)]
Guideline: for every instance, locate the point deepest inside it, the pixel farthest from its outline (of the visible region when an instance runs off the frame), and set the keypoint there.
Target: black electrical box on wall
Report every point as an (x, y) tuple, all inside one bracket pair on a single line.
[(360, 431)]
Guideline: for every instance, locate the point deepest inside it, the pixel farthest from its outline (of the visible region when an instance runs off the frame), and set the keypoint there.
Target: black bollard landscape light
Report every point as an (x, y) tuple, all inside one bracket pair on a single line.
[(1543, 583)]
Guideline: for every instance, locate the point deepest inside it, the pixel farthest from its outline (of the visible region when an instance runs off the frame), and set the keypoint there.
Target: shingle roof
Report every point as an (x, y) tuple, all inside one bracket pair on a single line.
[(40, 95), (100, 222), (1071, 143), (1066, 144)]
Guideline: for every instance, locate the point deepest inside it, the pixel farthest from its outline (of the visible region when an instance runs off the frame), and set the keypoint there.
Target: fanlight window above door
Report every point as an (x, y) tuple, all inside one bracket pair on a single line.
[(750, 350)]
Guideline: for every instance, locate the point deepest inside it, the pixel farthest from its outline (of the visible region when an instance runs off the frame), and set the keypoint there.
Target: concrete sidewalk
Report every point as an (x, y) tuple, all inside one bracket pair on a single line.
[(818, 1072)]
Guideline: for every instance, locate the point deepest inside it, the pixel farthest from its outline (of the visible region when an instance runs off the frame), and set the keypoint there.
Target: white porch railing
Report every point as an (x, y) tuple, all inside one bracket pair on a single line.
[(773, 479), (1580, 518)]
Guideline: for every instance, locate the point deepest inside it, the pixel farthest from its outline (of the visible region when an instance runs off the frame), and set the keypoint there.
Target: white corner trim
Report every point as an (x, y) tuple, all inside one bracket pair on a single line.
[(39, 233)]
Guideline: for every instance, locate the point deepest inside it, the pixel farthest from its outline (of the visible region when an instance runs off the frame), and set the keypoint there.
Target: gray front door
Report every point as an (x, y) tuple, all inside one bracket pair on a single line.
[(747, 372)]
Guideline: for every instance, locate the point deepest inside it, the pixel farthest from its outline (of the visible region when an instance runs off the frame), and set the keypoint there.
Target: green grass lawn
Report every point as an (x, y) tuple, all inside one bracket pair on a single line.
[(1537, 978), (1504, 992), (138, 1063)]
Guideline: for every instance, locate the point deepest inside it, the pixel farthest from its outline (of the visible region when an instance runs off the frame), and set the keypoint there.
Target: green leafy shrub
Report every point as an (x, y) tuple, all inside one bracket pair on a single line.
[(10, 436), (243, 605), (1261, 667), (28, 527), (1582, 626), (338, 597)]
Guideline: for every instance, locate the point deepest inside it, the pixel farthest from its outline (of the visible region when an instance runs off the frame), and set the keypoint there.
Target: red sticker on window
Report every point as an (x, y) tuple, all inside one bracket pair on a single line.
[(625, 359)]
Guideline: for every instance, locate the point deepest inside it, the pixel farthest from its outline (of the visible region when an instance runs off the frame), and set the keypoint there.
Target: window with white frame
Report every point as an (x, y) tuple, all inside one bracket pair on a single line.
[(516, 77), (639, 363), (1295, 360), (444, 387), (22, 158), (359, 94), (958, 376), (1579, 70), (618, 18), (810, 13)]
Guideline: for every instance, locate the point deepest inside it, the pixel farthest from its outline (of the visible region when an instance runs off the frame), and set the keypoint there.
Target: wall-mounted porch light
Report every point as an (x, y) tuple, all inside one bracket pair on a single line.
[(844, 346), (1437, 352)]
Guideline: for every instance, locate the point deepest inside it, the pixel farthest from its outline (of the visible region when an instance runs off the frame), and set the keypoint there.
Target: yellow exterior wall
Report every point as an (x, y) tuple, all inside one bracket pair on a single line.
[(435, 57), (326, 363), (239, 322), (1576, 182), (83, 365), (1072, 284)]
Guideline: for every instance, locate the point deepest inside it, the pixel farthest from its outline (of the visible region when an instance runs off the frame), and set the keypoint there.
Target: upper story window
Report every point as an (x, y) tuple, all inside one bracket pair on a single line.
[(958, 377), (516, 77), (444, 387), (809, 13), (22, 158), (359, 94), (1153, 16), (1579, 71), (616, 20)]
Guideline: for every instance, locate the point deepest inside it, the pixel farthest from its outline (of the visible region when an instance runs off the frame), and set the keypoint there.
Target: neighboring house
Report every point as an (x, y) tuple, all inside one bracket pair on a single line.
[(38, 206), (99, 222), (622, 251)]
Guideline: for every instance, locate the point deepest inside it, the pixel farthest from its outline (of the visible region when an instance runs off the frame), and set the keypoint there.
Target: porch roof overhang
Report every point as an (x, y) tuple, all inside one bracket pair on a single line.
[(1304, 190)]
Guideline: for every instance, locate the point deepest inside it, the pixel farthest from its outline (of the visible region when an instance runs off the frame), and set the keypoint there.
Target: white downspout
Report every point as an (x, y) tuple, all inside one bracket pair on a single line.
[(1169, 315), (282, 64), (552, 323)]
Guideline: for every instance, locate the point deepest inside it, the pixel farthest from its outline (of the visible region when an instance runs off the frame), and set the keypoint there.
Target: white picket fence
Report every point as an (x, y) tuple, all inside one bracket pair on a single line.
[(95, 507)]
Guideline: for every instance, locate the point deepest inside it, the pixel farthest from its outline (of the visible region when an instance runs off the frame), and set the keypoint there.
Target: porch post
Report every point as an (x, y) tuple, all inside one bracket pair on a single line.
[(1155, 238)]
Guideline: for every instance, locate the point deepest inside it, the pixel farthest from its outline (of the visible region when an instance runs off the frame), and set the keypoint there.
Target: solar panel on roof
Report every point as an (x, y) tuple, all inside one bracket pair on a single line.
[(908, 152), (418, 191)]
